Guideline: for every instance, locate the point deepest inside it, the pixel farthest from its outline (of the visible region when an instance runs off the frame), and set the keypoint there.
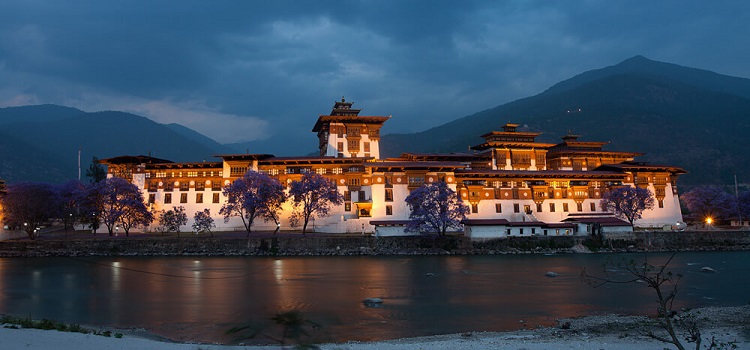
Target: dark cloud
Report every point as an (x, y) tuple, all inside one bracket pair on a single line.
[(265, 67)]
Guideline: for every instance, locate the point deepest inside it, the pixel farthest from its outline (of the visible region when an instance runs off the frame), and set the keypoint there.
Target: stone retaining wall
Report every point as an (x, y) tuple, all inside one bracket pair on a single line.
[(359, 245)]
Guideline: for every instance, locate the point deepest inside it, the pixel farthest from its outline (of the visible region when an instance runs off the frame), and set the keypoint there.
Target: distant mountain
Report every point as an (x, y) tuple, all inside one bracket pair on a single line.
[(692, 118), (41, 143), (200, 138), (38, 113)]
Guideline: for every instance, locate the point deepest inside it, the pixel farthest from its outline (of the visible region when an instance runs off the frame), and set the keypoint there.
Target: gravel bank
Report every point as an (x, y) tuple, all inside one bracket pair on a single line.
[(610, 332)]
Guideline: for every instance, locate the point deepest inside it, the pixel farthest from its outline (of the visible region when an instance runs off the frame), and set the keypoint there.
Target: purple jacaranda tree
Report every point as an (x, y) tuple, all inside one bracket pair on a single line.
[(254, 195), (72, 198), (134, 214), (203, 222), (313, 196), (627, 203), (116, 197), (710, 202), (29, 205), (171, 220), (743, 203), (89, 207), (435, 208)]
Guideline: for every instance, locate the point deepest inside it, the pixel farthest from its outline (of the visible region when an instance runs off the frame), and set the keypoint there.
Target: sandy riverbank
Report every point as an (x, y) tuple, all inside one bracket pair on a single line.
[(594, 332)]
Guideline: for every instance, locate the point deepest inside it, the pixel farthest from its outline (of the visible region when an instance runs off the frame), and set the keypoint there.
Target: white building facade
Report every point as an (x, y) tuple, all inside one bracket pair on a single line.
[(513, 185)]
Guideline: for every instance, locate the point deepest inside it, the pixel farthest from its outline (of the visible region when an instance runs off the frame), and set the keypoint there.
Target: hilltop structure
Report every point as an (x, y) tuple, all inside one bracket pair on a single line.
[(514, 185)]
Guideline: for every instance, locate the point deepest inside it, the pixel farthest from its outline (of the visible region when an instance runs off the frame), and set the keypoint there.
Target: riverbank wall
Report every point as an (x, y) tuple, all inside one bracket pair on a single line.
[(341, 245)]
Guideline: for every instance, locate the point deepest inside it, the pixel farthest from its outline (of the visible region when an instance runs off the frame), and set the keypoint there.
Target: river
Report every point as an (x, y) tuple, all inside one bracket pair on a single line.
[(199, 298)]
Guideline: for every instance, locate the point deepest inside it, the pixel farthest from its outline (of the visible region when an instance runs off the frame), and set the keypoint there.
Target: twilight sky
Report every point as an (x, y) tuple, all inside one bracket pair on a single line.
[(247, 70)]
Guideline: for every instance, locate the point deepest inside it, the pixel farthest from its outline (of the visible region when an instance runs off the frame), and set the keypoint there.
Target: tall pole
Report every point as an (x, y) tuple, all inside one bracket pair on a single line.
[(737, 197), (79, 164)]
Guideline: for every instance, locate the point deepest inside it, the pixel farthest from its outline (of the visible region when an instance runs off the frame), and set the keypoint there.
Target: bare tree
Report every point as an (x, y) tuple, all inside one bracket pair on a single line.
[(665, 284)]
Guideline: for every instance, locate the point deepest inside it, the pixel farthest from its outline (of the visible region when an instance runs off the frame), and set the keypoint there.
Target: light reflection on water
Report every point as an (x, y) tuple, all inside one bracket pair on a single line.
[(191, 299)]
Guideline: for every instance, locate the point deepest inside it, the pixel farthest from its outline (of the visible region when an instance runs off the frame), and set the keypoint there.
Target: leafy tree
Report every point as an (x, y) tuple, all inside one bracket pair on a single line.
[(710, 202), (627, 202), (435, 208), (173, 219), (30, 205), (203, 222), (252, 196), (313, 196), (118, 200), (96, 172), (72, 197)]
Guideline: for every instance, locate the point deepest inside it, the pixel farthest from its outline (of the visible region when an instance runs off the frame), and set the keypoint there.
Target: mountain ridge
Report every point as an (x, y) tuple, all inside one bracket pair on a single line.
[(681, 116)]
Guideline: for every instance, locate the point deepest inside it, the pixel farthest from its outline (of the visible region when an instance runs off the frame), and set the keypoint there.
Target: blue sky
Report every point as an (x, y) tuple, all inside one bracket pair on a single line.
[(248, 70)]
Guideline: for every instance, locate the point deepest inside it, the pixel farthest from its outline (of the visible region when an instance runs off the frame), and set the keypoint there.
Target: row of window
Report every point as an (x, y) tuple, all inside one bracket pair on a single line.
[(184, 186), (348, 208), (164, 174), (527, 208), (521, 231), (183, 198)]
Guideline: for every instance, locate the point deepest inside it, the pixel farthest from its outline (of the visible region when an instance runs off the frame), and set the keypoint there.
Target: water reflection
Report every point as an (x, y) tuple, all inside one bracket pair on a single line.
[(191, 299)]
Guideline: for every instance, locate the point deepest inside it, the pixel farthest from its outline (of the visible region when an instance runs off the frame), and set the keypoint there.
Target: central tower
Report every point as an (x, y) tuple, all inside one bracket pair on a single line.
[(344, 133)]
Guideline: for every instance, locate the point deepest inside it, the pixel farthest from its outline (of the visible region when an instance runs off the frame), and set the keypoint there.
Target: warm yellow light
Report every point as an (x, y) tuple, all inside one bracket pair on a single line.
[(709, 220)]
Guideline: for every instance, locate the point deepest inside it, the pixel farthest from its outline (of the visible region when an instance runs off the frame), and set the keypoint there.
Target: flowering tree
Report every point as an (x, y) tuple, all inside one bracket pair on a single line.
[(116, 200), (628, 203), (203, 222), (710, 202), (435, 208), (29, 205), (171, 220), (89, 207), (252, 196), (72, 197), (743, 202), (135, 214), (313, 196)]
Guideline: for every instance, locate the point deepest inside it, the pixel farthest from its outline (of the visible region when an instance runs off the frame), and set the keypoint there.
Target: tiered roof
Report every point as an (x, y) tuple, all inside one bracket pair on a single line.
[(343, 113)]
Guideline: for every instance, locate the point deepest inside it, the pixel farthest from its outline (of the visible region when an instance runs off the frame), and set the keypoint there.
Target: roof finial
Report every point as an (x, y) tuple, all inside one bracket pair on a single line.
[(342, 99)]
